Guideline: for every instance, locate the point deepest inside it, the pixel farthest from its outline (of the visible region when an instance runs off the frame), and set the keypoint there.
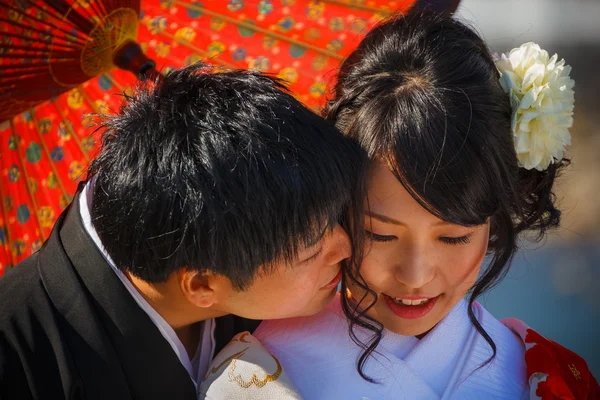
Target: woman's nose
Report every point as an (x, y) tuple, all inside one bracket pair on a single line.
[(416, 268)]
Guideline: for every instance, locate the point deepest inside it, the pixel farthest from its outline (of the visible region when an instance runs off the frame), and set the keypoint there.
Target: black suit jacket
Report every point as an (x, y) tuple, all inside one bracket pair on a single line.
[(69, 329)]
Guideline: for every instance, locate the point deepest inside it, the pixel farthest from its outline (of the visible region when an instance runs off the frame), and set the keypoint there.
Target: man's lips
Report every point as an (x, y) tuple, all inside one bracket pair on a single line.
[(335, 281)]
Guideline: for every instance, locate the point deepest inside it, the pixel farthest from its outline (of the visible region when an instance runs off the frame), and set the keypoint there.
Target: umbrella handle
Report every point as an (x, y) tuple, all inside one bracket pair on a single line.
[(130, 57)]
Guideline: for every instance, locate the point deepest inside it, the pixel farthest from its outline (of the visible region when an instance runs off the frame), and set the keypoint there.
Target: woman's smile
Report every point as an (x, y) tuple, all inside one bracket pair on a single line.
[(410, 309)]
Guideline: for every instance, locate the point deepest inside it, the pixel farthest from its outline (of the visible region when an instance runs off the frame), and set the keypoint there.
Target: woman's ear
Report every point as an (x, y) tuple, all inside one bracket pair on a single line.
[(196, 288)]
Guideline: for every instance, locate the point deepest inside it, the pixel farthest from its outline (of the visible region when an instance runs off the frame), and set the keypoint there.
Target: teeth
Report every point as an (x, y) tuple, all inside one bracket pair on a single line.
[(410, 302)]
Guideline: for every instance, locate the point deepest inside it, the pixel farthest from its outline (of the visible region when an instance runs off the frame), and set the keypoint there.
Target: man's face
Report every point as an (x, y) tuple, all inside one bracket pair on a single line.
[(301, 289)]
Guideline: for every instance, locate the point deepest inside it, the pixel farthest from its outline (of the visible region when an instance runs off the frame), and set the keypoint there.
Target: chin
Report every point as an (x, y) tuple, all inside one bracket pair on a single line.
[(413, 327), (318, 305)]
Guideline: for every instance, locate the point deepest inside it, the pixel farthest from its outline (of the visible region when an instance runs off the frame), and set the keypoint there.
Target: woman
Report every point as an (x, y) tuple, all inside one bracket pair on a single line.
[(463, 161)]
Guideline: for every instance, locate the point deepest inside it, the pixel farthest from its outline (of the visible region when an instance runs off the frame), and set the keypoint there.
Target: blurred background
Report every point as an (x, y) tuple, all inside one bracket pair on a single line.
[(553, 285)]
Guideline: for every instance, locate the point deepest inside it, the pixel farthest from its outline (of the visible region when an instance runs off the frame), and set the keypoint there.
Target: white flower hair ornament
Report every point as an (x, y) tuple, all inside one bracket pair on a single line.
[(542, 96)]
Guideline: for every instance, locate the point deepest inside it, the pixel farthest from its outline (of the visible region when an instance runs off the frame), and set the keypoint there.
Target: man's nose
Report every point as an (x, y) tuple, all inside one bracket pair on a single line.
[(339, 248)]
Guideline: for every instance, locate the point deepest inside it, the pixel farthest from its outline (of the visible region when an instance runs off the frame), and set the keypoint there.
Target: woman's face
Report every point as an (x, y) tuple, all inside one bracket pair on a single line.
[(419, 266)]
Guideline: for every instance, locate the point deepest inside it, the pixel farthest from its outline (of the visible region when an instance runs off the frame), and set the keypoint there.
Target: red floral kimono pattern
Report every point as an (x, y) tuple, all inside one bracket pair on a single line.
[(554, 372)]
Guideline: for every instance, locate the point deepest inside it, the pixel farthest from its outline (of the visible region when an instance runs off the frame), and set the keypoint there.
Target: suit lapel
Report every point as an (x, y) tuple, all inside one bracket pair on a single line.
[(118, 349)]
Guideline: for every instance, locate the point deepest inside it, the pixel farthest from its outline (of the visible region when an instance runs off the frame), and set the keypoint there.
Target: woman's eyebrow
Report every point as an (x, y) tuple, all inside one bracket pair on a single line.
[(389, 220), (384, 218)]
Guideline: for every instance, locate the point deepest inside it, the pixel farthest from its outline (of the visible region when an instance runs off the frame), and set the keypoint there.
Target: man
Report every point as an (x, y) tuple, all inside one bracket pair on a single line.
[(215, 198)]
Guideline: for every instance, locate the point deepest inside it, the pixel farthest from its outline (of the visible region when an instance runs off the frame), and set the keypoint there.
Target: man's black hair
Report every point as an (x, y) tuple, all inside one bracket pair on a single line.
[(223, 172)]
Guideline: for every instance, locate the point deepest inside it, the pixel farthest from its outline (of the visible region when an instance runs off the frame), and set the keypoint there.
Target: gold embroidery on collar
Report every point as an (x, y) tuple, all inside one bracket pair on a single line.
[(254, 380), (242, 338), (218, 367)]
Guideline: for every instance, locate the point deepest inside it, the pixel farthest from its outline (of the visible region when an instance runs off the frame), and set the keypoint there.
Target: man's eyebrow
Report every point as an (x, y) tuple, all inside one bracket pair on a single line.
[(317, 239)]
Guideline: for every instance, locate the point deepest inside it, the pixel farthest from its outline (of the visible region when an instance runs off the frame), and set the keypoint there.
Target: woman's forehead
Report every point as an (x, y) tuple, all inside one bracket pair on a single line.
[(388, 197)]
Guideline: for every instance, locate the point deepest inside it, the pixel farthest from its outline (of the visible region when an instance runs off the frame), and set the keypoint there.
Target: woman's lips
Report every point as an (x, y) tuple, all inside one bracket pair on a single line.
[(420, 306)]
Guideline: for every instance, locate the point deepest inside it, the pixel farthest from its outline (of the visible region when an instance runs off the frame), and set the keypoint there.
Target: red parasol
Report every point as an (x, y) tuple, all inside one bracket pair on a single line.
[(62, 60)]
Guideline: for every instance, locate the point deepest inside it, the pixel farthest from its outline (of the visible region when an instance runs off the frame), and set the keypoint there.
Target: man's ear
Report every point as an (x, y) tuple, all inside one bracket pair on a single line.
[(196, 288)]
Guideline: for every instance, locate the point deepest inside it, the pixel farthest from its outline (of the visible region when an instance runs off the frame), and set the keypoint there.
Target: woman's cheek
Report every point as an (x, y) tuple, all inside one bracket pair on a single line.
[(373, 268), (463, 266)]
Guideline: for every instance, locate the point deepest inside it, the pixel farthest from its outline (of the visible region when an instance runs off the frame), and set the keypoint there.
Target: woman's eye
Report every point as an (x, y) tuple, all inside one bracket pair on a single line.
[(456, 240), (379, 238)]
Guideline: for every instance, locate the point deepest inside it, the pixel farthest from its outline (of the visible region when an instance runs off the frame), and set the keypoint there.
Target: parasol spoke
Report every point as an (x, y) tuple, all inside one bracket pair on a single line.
[(41, 67), (92, 8), (22, 65), (26, 27), (20, 76), (44, 22), (39, 40), (63, 55), (23, 48), (68, 12), (6, 84), (16, 74)]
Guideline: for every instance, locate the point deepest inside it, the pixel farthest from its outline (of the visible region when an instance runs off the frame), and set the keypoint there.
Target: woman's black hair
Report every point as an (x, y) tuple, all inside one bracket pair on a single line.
[(421, 93)]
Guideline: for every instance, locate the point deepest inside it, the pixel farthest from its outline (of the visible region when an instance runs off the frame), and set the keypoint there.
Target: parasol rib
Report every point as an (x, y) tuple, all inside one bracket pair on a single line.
[(38, 40), (20, 76), (67, 12), (28, 28), (37, 56), (41, 21), (43, 66)]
